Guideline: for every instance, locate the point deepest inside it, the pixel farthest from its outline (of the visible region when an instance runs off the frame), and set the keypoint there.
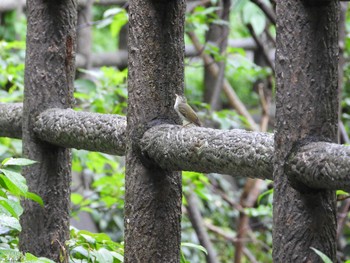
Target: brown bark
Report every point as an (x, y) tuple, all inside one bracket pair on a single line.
[(307, 110), (233, 152), (49, 78), (156, 73), (83, 130), (11, 120)]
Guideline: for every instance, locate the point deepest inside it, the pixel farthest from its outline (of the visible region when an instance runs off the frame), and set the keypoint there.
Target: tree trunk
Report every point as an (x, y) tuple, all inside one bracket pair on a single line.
[(217, 35), (307, 111), (49, 78), (156, 73), (84, 34)]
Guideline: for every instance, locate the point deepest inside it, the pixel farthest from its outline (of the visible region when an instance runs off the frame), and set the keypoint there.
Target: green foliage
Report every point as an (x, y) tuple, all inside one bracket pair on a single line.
[(110, 22), (324, 257), (10, 147), (227, 119), (201, 17), (242, 74), (106, 94), (12, 187), (11, 255), (267, 194), (105, 198), (87, 247), (13, 183), (190, 245), (11, 71), (13, 26), (115, 17), (195, 182), (253, 15)]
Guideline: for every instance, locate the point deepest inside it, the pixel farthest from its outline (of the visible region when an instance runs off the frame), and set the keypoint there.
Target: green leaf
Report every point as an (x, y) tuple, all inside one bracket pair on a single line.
[(104, 255), (183, 259), (17, 161), (79, 252), (102, 237), (118, 256), (11, 222), (341, 192), (29, 258), (261, 210), (12, 207), (191, 245), (76, 198), (254, 16), (10, 253), (84, 86), (119, 20), (2, 193), (324, 257), (262, 195), (113, 11), (35, 198), (88, 237), (15, 182)]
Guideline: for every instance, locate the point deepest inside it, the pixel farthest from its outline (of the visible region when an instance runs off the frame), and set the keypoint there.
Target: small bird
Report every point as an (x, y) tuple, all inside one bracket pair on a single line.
[(185, 111)]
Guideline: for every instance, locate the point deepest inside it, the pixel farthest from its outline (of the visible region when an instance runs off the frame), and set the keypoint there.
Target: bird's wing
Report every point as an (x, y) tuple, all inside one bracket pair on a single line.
[(189, 113)]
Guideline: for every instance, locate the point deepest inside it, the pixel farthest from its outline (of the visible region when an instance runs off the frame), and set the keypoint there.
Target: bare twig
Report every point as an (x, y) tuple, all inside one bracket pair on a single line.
[(262, 47), (250, 194), (214, 102), (267, 10), (342, 216), (224, 196), (198, 225), (343, 134), (222, 233), (265, 104)]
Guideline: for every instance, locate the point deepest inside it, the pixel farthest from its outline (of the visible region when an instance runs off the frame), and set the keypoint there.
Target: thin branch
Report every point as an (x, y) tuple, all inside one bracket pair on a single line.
[(198, 224), (262, 47), (267, 10), (227, 199), (344, 135), (248, 198), (221, 75), (342, 216), (265, 105), (120, 58), (220, 232)]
